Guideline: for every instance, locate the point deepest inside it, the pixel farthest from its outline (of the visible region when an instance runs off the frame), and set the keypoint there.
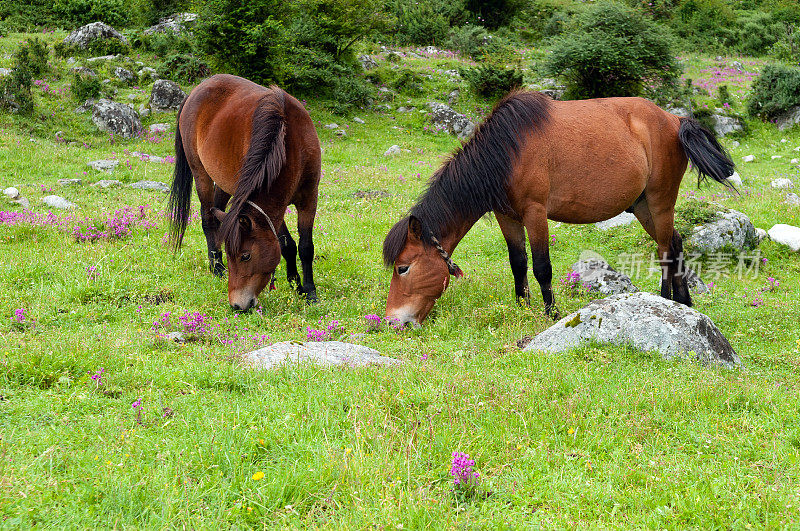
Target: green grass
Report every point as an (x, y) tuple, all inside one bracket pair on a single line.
[(597, 437)]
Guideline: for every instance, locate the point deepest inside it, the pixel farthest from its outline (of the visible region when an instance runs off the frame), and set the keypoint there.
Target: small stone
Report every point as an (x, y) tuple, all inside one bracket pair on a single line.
[(166, 96), (371, 194), (108, 183), (794, 161), (597, 275), (124, 75), (11, 193), (782, 183), (87, 105), (151, 185), (793, 199), (69, 182), (23, 202), (358, 120), (761, 234), (106, 165), (55, 201), (332, 126), (748, 158), (340, 133), (394, 150), (734, 144), (787, 235), (148, 73), (735, 179), (453, 96), (158, 128), (625, 218), (177, 337), (775, 157)]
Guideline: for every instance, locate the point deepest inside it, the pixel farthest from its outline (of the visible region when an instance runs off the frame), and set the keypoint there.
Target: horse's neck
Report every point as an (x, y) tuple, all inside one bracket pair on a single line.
[(454, 235)]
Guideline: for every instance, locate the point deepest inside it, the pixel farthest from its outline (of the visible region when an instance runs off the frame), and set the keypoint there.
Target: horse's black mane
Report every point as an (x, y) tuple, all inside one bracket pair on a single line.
[(262, 163), (474, 180)]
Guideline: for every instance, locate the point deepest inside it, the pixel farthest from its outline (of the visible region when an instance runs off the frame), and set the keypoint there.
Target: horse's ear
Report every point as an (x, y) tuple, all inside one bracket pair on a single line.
[(217, 213), (245, 223), (414, 228)]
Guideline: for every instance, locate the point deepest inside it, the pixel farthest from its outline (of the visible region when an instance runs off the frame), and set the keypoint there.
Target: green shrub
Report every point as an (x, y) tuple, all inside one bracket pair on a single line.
[(492, 81), (16, 95), (184, 68), (774, 92), (420, 24), (149, 12), (613, 51), (758, 32), (35, 52), (79, 12), (164, 44), (408, 82), (691, 214), (470, 40), (85, 86), (306, 46), (707, 23)]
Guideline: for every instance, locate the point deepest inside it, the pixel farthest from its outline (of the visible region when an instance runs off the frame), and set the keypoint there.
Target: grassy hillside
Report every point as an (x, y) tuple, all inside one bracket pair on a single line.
[(183, 435)]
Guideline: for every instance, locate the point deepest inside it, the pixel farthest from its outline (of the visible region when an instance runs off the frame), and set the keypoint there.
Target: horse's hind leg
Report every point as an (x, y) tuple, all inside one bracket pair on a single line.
[(514, 233), (306, 212), (670, 249), (289, 252), (538, 233)]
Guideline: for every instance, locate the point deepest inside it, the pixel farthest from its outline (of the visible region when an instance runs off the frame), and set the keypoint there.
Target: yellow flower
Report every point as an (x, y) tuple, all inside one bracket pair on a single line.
[(258, 476), (261, 442), (570, 431), (347, 451)]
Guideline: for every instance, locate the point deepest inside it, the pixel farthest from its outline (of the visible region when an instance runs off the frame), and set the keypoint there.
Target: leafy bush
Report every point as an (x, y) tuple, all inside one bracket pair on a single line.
[(494, 13), (184, 68), (492, 81), (95, 48), (164, 44), (15, 89), (775, 91), (306, 46), (149, 12), (470, 40), (35, 53), (758, 32), (80, 12), (707, 23), (85, 86), (613, 51)]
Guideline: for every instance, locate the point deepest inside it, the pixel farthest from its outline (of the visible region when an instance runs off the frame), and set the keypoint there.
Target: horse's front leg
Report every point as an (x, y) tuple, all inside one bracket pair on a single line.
[(289, 252), (211, 196), (535, 220), (514, 233)]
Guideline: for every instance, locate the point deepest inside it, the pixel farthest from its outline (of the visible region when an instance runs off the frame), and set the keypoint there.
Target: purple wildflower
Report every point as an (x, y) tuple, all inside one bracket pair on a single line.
[(462, 471)]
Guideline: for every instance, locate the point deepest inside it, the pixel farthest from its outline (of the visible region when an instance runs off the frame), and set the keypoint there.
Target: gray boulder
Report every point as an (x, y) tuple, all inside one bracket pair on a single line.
[(148, 73), (69, 182), (325, 353), (621, 220), (158, 128), (106, 165), (11, 193), (85, 106), (151, 185), (781, 183), (55, 201), (694, 282), (446, 118), (166, 96), (89, 33), (5, 72), (176, 23), (124, 75), (645, 321), (789, 119), (101, 58), (735, 179), (107, 183), (367, 62), (683, 112), (731, 228), (792, 199), (787, 235), (82, 70), (116, 118), (725, 125), (393, 150), (596, 275)]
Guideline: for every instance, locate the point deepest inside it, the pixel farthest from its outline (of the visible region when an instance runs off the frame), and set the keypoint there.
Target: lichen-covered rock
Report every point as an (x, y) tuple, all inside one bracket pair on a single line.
[(446, 118), (89, 33), (789, 119), (725, 125), (124, 75), (166, 96), (325, 353), (646, 321), (731, 229), (55, 201), (151, 185), (116, 118), (106, 165), (176, 23), (367, 62), (597, 275)]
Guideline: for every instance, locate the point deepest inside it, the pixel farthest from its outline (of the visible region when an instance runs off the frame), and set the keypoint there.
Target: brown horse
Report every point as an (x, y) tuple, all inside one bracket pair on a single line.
[(534, 159), (257, 145)]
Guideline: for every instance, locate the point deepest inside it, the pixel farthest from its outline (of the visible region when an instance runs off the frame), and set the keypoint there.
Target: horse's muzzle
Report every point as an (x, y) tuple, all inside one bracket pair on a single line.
[(243, 307)]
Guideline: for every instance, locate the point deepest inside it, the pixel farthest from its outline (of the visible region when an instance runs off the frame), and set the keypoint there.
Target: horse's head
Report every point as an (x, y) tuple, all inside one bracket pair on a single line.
[(254, 253), (421, 271)]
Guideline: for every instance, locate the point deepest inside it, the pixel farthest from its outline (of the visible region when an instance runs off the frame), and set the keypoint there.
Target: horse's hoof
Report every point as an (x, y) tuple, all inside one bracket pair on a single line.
[(311, 297), (219, 272)]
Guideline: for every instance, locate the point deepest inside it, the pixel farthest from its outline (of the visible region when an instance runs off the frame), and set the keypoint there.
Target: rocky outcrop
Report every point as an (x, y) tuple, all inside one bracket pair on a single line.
[(325, 353), (166, 96), (116, 118), (85, 35)]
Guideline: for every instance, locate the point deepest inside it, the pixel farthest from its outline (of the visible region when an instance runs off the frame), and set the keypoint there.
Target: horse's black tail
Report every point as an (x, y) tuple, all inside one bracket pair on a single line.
[(705, 152), (181, 190)]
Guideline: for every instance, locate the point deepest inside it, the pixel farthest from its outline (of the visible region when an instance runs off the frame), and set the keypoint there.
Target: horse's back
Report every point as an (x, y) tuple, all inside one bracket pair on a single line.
[(595, 157)]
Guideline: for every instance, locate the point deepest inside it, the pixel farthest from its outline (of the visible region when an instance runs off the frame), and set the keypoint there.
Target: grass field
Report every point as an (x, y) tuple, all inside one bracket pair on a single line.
[(169, 435)]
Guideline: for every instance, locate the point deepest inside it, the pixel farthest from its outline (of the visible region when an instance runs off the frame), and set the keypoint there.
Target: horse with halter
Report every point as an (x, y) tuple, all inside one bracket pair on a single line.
[(535, 159), (258, 148)]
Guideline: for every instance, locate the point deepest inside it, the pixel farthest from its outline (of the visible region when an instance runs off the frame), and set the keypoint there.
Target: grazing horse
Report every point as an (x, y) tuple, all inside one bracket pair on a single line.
[(535, 158), (258, 148)]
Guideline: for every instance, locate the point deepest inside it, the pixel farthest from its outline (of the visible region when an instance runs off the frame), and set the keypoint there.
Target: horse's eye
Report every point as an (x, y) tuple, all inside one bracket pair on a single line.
[(245, 257), (402, 270)]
